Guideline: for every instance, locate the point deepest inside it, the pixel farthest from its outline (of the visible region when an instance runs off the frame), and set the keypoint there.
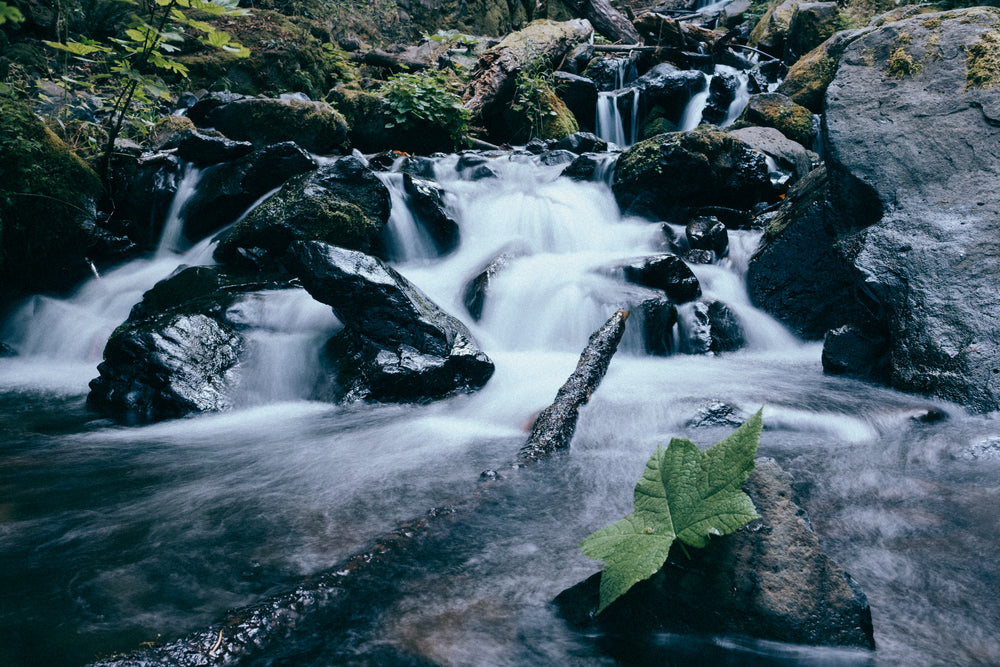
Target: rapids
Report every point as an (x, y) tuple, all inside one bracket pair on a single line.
[(111, 536)]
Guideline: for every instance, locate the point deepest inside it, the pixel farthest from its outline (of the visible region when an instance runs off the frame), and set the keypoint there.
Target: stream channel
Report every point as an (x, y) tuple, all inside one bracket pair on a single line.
[(115, 535)]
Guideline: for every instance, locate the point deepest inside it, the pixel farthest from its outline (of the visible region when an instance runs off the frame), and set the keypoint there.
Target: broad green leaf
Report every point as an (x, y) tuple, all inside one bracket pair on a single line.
[(78, 48), (684, 493), (8, 13), (218, 39)]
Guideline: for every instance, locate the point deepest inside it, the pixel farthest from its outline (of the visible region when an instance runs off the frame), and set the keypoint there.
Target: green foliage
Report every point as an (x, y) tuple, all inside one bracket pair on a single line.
[(412, 100), (684, 494), (8, 13), (132, 62), (531, 96)]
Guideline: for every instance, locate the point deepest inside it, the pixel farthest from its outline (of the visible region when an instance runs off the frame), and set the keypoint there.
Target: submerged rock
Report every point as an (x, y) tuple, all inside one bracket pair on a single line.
[(769, 580), (427, 201), (397, 345), (665, 272)]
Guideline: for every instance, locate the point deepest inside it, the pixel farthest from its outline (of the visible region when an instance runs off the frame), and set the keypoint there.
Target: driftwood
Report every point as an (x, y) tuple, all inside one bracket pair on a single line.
[(556, 424), (543, 43), (335, 600), (606, 20)]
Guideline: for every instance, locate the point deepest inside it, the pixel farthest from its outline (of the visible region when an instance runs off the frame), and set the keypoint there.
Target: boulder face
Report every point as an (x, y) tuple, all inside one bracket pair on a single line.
[(769, 580), (343, 203), (397, 345), (315, 126), (177, 353), (668, 172), (925, 138)]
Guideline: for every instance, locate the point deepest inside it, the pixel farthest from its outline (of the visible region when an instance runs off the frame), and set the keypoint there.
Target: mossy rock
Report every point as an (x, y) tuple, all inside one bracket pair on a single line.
[(545, 117), (664, 176), (168, 128), (656, 123), (771, 31), (365, 115), (808, 79), (315, 126), (777, 111), (47, 207), (343, 204), (285, 56)]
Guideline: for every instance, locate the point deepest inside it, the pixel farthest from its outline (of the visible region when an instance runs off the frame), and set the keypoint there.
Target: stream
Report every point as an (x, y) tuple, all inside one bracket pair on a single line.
[(114, 535)]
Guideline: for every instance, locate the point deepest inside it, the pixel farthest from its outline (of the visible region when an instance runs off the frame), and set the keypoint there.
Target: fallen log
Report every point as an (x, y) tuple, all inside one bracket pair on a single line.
[(667, 31), (542, 43), (395, 62), (606, 20), (339, 597), (555, 426)]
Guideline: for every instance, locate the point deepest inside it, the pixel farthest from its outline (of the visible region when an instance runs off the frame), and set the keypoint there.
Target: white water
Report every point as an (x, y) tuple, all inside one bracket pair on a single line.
[(113, 535)]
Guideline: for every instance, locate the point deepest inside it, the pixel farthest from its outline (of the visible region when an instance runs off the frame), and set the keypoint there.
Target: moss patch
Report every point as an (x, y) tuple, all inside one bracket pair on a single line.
[(901, 64), (778, 111), (982, 62)]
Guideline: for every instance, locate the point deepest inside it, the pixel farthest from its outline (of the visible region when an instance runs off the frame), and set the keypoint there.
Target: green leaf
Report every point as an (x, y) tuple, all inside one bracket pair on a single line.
[(78, 48), (684, 493), (8, 13)]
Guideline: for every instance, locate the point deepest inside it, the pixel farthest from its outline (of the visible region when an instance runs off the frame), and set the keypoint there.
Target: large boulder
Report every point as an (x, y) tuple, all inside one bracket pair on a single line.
[(777, 111), (679, 170), (807, 79), (397, 345), (342, 203), (226, 190), (904, 251), (925, 138), (769, 580), (812, 23), (177, 353), (315, 126)]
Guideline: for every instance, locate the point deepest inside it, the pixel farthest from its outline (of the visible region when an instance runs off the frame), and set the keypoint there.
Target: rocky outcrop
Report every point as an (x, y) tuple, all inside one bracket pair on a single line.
[(342, 203), (769, 580), (665, 90), (809, 76), (664, 176), (227, 190), (397, 345)]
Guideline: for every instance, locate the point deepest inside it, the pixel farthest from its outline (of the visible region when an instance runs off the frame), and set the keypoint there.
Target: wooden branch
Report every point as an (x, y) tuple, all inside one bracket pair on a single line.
[(391, 61)]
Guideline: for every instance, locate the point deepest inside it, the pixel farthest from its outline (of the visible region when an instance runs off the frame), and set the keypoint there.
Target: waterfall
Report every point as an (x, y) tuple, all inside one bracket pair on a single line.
[(741, 97), (173, 227), (611, 125), (691, 117), (406, 239)]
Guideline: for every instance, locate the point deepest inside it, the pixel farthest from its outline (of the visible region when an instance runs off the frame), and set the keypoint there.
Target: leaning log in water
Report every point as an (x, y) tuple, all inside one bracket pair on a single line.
[(335, 601)]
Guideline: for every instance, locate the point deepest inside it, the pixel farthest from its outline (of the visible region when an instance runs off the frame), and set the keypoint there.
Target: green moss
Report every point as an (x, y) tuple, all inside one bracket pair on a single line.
[(47, 197), (808, 79), (168, 126), (932, 23), (777, 111), (657, 123), (901, 64), (982, 62)]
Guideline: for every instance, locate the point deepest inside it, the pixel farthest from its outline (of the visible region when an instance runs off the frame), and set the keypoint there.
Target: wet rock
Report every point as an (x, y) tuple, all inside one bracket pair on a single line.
[(588, 167), (315, 126), (777, 111), (926, 260), (665, 272), (771, 32), (786, 153), (397, 345), (581, 143), (663, 176), (553, 158), (669, 89), (807, 79), (698, 256), (580, 95), (227, 190), (722, 92), (658, 319), (709, 328), (203, 149), (708, 233), (198, 112), (769, 580), (472, 167), (143, 189), (427, 201), (477, 289), (718, 413), (613, 73), (342, 203), (177, 353), (848, 350), (814, 296)]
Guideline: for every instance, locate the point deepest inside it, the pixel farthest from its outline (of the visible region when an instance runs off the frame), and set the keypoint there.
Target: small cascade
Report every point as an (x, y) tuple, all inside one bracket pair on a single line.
[(691, 117), (611, 123), (742, 96), (406, 239), (173, 227)]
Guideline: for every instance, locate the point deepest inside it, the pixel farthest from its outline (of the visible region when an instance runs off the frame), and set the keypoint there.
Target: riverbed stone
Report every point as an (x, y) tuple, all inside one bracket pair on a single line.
[(315, 126), (768, 580), (397, 344), (664, 272), (427, 200)]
